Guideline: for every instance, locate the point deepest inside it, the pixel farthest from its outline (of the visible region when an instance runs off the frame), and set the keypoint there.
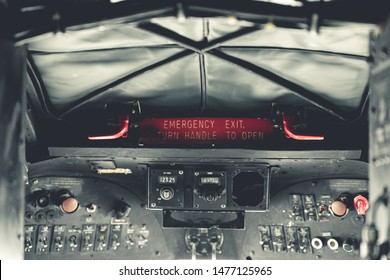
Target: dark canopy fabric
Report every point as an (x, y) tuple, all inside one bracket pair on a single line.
[(209, 64)]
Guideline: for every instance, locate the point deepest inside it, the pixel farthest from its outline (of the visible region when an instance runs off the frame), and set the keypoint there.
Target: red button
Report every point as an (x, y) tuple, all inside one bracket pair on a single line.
[(361, 204), (339, 208), (70, 205)]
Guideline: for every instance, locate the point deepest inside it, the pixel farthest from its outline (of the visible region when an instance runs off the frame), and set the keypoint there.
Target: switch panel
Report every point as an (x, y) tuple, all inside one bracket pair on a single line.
[(29, 239), (115, 237), (130, 237), (87, 237), (278, 238), (43, 239), (296, 210), (309, 207), (265, 238), (114, 219), (101, 239), (304, 240), (292, 242), (58, 244), (324, 203)]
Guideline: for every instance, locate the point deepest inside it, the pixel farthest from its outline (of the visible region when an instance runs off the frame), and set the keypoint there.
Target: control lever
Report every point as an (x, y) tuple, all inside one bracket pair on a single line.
[(193, 251), (287, 122), (123, 132), (204, 242), (194, 241), (213, 242)]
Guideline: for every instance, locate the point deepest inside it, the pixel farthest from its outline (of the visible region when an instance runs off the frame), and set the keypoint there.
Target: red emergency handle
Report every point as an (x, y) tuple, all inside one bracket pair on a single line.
[(123, 122), (290, 134)]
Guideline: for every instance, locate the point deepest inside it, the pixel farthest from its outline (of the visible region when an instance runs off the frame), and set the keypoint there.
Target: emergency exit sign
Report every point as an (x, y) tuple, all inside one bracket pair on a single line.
[(204, 131)]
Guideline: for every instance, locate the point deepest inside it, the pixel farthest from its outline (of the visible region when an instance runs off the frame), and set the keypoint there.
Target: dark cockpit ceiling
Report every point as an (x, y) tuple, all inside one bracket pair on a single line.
[(202, 59), (212, 65)]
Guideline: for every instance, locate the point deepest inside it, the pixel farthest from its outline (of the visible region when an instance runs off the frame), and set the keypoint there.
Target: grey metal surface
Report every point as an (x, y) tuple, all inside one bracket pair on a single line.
[(202, 154), (12, 154)]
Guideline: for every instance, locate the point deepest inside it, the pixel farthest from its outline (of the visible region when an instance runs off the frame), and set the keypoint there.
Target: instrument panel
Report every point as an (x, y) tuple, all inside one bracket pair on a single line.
[(193, 210)]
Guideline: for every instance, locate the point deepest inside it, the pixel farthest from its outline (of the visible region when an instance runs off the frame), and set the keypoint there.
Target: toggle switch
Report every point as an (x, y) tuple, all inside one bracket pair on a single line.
[(73, 242), (58, 244), (28, 244), (115, 242), (87, 242), (43, 242)]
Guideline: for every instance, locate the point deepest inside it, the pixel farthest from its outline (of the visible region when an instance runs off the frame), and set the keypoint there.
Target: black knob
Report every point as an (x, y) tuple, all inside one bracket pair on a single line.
[(122, 210), (349, 245), (42, 198)]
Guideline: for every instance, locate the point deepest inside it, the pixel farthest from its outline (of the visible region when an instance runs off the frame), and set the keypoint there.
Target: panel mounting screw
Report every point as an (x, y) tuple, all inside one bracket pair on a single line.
[(196, 173), (152, 204), (223, 206), (181, 172), (35, 182)]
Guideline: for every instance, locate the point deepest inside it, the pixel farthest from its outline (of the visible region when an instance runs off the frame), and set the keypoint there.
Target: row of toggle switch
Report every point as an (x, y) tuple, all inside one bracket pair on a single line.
[(60, 239), (305, 208), (284, 239)]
